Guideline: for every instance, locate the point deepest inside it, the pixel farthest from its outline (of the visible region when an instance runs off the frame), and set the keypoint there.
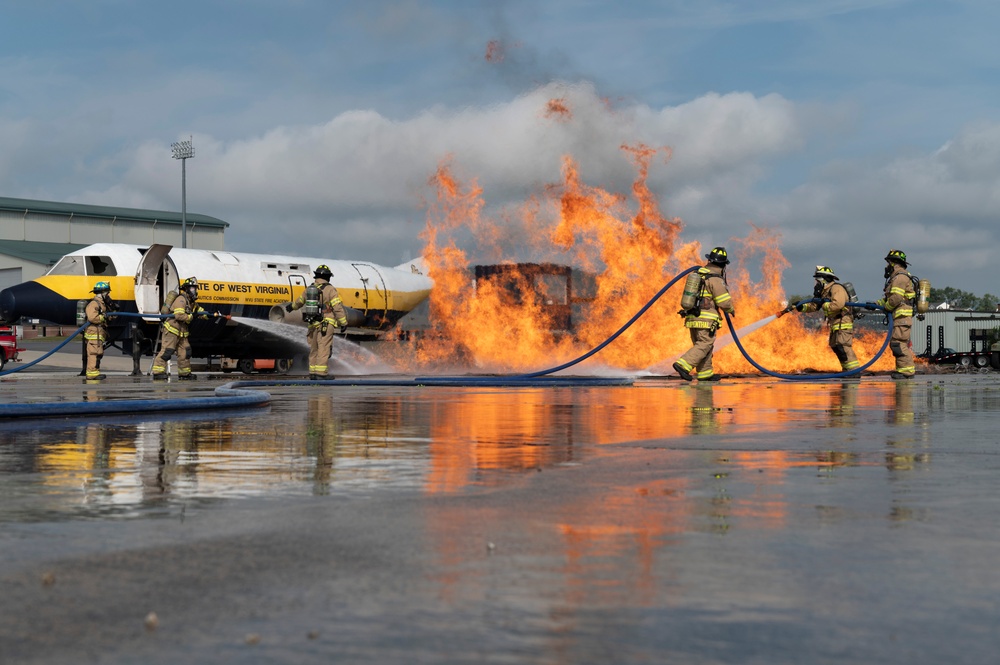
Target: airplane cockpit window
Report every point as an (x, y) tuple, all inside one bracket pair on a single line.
[(69, 265), (100, 265)]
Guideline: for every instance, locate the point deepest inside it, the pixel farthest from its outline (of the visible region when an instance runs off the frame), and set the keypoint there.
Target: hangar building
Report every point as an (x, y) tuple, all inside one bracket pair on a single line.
[(34, 235)]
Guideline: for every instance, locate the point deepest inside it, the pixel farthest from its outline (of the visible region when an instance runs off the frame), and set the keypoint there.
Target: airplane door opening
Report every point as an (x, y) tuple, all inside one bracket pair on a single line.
[(155, 277)]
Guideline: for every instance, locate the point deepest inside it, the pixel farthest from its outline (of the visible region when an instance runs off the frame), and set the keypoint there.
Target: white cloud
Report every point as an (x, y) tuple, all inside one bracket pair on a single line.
[(324, 180)]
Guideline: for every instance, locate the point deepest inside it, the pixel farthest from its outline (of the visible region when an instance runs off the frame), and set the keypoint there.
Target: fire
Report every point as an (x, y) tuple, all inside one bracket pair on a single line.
[(494, 51), (557, 108), (631, 248)]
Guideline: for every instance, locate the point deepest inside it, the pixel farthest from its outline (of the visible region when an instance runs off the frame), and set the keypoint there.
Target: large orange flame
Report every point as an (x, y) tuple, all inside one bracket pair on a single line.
[(632, 250)]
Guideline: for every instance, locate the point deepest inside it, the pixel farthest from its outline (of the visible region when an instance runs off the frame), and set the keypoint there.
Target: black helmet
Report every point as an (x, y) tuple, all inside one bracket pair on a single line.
[(896, 256), (190, 283), (323, 272), (718, 255)]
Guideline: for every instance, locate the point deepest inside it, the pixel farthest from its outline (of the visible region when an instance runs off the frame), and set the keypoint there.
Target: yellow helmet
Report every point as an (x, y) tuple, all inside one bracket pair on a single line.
[(826, 272)]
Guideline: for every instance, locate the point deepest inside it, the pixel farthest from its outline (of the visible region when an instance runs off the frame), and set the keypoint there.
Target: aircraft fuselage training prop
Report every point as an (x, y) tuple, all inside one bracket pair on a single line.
[(252, 286)]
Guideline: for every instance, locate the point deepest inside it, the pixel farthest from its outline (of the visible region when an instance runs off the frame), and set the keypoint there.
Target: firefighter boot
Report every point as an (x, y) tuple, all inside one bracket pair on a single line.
[(684, 374)]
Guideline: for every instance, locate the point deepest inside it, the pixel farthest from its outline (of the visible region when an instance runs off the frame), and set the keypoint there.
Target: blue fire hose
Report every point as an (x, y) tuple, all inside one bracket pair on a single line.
[(814, 377)]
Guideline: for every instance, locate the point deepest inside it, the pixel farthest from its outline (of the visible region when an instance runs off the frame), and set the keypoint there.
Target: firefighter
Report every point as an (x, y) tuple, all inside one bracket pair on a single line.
[(839, 316), (174, 335), (704, 319), (325, 314), (98, 310), (900, 297)]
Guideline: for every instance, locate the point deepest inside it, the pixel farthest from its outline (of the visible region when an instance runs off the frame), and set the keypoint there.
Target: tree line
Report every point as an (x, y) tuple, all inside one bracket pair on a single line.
[(959, 299)]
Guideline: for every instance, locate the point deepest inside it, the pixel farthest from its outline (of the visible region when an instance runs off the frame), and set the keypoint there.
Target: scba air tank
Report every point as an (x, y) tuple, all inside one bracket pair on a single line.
[(168, 303), (692, 291), (310, 310), (81, 312), (923, 296)]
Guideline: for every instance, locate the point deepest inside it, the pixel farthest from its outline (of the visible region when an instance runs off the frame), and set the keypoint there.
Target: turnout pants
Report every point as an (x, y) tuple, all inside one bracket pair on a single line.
[(900, 345), (699, 356), (320, 337), (95, 351), (172, 346), (842, 343)]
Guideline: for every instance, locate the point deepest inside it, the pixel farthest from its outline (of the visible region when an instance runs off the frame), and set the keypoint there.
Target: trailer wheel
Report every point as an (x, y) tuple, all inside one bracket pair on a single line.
[(3, 359), (282, 365), (246, 365), (965, 361), (982, 361)]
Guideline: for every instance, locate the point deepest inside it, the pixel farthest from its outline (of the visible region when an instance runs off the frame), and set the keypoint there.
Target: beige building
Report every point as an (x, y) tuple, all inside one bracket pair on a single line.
[(36, 234)]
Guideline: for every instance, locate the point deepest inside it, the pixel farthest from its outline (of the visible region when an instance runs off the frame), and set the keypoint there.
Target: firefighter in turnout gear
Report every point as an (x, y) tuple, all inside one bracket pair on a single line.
[(704, 318), (899, 300), (174, 335), (325, 314), (839, 316), (98, 311)]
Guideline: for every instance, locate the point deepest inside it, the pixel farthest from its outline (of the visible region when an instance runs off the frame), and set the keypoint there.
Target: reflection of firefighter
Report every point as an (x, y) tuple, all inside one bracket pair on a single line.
[(323, 310), (176, 438), (843, 409), (839, 316), (703, 319), (98, 311), (174, 335), (903, 413), (901, 455), (323, 429), (898, 302), (703, 411)]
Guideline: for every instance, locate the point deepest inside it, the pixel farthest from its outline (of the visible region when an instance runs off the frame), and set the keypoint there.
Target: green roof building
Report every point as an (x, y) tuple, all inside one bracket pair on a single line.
[(36, 234)]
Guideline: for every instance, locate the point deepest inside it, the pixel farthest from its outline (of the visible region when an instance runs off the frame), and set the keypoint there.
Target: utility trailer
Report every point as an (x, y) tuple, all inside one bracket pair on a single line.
[(958, 337)]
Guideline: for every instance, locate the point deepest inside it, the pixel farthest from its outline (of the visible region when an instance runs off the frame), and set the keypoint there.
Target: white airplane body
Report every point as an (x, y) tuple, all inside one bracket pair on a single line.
[(254, 286)]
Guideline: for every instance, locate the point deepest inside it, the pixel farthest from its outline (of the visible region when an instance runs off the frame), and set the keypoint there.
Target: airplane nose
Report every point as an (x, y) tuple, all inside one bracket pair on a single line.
[(34, 301), (8, 305)]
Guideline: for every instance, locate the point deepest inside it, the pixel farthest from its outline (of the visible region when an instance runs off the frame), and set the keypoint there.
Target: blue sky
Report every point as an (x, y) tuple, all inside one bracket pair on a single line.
[(850, 126)]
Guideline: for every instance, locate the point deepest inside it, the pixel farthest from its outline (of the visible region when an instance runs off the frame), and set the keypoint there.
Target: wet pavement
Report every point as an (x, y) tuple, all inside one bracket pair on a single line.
[(750, 521)]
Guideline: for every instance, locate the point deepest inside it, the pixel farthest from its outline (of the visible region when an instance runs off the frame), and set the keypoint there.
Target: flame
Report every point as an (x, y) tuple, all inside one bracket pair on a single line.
[(631, 247), (494, 51), (557, 108)]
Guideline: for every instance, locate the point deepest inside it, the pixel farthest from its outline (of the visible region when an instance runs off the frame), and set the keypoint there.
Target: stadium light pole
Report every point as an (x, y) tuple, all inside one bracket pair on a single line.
[(183, 150)]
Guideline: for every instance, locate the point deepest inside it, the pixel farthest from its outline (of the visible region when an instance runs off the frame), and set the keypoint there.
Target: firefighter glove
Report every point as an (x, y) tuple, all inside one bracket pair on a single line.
[(343, 329), (801, 307), (871, 306), (288, 307)]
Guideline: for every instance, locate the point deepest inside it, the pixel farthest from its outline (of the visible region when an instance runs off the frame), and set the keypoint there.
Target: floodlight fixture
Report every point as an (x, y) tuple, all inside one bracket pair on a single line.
[(183, 150)]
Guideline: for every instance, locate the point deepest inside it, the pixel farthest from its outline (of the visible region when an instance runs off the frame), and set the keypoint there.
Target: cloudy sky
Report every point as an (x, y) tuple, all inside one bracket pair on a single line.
[(851, 126)]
